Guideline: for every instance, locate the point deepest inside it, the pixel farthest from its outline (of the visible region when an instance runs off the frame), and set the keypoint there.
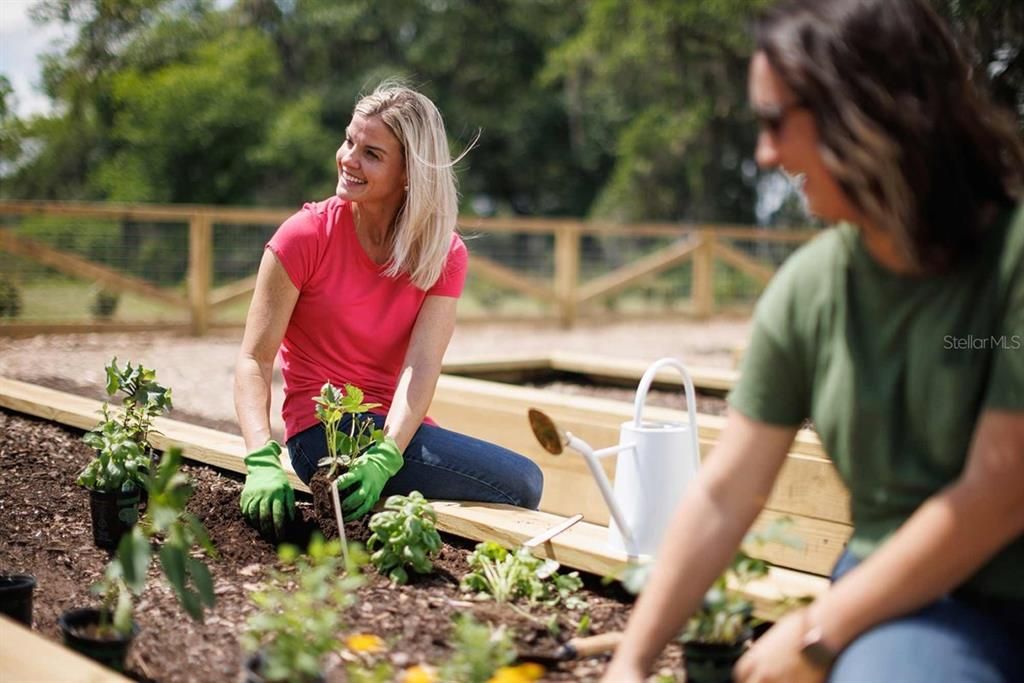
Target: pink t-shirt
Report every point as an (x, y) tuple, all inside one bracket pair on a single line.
[(351, 323)]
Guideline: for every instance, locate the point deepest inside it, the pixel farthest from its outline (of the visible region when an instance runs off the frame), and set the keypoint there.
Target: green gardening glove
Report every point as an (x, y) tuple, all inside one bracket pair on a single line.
[(267, 497), (369, 472)]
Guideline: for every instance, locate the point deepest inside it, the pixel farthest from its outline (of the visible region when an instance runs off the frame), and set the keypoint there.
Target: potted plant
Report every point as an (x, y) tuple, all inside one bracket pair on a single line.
[(105, 633), (299, 613), (115, 477), (719, 632), (717, 635), (404, 536), (16, 596), (331, 406)]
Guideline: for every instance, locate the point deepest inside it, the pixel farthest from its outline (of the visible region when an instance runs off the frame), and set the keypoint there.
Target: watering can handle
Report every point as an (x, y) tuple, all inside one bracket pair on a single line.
[(691, 401)]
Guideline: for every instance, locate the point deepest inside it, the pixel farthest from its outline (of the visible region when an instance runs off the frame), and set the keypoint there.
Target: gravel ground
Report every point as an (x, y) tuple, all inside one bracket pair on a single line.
[(199, 371)]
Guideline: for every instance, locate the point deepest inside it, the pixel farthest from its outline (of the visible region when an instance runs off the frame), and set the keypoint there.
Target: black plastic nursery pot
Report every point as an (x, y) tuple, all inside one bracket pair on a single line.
[(113, 515), (79, 627), (711, 662), (16, 596), (253, 671)]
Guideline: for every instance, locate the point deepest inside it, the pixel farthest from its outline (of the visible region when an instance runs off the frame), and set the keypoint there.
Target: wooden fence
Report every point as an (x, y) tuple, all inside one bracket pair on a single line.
[(562, 294)]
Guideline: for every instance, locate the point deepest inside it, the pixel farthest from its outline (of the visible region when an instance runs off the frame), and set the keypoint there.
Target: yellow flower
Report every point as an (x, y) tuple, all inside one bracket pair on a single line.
[(524, 673), (364, 642), (419, 674)]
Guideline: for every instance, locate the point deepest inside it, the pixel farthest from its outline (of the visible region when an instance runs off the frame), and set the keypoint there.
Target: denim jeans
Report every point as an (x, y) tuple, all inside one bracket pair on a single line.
[(442, 465), (954, 639)]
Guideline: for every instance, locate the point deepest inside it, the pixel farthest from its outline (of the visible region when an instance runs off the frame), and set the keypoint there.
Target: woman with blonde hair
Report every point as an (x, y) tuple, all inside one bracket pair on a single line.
[(361, 288), (900, 333)]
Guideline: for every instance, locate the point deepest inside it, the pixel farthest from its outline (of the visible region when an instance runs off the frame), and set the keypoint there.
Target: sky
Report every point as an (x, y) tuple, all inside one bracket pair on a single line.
[(21, 42)]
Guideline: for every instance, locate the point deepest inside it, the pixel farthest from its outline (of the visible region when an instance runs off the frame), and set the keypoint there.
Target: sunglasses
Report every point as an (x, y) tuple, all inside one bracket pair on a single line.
[(772, 119)]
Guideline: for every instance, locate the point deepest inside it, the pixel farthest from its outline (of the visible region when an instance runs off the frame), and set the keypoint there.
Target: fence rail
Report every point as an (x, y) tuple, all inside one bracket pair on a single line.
[(197, 264)]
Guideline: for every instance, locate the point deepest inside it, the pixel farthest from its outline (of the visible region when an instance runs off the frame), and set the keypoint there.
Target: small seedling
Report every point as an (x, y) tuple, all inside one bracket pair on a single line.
[(479, 651), (300, 612), (404, 536), (121, 440), (331, 406), (506, 576)]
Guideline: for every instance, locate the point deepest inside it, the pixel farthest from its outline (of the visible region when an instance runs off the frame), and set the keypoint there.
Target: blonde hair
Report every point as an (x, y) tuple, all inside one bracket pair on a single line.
[(422, 233)]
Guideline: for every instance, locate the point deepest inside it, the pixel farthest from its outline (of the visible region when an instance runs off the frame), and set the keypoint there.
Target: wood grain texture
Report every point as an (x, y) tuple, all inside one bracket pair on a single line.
[(28, 656)]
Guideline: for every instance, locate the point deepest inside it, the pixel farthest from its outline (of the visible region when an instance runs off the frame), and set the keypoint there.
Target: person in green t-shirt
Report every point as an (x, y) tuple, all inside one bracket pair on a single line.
[(900, 333)]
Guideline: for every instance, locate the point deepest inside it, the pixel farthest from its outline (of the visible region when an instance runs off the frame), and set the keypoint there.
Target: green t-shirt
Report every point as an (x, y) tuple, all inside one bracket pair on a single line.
[(894, 371)]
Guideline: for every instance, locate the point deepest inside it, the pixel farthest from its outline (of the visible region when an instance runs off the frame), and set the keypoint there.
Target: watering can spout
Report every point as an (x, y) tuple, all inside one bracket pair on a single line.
[(554, 440)]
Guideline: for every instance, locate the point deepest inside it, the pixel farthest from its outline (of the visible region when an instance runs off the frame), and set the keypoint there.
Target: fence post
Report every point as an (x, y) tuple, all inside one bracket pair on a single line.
[(703, 291), (200, 270), (567, 271)]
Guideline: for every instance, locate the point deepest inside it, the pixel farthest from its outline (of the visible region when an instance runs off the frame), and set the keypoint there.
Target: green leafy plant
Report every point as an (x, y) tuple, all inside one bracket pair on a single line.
[(479, 651), (331, 406), (404, 535), (176, 533), (123, 455), (507, 576), (300, 611)]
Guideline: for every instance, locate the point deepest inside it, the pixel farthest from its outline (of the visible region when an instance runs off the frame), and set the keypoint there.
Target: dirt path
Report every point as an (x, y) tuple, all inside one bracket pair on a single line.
[(200, 371)]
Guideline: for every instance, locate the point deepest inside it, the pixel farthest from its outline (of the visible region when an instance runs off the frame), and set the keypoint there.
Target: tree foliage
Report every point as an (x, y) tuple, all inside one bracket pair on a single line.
[(624, 109)]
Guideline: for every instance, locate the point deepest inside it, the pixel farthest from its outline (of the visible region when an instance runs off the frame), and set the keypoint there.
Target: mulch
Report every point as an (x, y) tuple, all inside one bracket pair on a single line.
[(45, 531)]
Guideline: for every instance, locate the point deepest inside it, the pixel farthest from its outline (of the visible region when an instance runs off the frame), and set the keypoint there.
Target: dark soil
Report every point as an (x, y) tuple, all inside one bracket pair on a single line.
[(44, 531)]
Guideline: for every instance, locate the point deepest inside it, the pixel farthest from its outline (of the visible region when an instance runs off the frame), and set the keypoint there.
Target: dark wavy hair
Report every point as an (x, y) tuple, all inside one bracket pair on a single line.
[(918, 149)]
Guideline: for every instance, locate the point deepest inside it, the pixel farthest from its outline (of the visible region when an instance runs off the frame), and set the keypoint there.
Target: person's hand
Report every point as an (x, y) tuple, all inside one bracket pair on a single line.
[(368, 473), (267, 497), (775, 656)]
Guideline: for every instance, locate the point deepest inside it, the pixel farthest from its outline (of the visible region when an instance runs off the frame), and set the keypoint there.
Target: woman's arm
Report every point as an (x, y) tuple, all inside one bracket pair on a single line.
[(718, 508), (269, 313), (977, 515), (418, 379)]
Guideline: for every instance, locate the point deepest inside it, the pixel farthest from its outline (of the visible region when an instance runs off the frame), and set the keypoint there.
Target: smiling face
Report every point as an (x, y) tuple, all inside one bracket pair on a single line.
[(788, 139), (371, 165)]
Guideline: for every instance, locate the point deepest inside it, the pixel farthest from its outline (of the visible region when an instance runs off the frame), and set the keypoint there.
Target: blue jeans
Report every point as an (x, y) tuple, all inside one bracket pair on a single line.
[(442, 465), (954, 639)]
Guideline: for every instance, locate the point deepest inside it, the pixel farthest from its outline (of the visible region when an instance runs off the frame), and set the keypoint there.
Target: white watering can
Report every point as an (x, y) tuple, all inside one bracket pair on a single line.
[(656, 462)]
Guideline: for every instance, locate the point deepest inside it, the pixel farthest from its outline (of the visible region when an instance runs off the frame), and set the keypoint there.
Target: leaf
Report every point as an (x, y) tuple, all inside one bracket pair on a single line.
[(203, 581), (134, 554), (172, 560)]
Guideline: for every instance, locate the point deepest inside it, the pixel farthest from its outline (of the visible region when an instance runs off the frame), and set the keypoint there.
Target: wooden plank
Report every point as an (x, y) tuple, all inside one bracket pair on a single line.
[(637, 271), (225, 295), (82, 268), (506, 277), (505, 363), (744, 263), (599, 366), (703, 288), (27, 656), (567, 272), (200, 271), (171, 213), (585, 546), (26, 329)]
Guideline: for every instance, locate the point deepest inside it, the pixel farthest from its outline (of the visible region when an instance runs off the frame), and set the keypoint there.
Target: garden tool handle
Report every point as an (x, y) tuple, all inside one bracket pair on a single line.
[(691, 399), (577, 648)]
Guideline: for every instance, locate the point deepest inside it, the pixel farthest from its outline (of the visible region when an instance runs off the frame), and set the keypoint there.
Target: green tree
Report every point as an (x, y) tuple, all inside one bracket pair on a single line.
[(660, 86)]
